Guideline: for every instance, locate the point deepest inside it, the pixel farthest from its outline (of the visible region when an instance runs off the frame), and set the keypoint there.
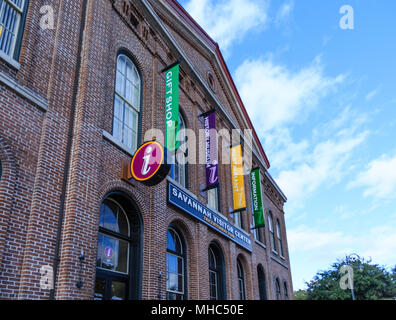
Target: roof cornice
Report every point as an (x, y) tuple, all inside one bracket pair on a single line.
[(214, 48)]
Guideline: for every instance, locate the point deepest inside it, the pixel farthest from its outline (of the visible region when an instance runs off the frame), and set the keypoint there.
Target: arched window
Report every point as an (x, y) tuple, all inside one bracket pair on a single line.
[(180, 166), (278, 290), (285, 290), (126, 103), (241, 281), (271, 230), (12, 21), (279, 236), (117, 263), (262, 283), (216, 273), (175, 266)]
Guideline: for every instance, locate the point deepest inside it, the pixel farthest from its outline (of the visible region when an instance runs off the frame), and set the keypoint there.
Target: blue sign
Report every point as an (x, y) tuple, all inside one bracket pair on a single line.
[(193, 207)]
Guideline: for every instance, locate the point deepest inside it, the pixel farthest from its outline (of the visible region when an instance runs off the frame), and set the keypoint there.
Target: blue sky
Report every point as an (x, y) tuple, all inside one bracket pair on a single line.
[(323, 101)]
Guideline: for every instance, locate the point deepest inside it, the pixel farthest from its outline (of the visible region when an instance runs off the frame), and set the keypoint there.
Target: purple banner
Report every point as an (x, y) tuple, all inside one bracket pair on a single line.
[(212, 167)]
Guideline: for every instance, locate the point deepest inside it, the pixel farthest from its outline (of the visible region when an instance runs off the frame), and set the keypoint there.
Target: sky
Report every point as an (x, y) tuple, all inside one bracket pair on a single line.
[(322, 98)]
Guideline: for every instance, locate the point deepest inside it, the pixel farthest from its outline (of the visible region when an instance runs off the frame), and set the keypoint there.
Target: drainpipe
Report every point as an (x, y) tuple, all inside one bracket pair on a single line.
[(56, 260)]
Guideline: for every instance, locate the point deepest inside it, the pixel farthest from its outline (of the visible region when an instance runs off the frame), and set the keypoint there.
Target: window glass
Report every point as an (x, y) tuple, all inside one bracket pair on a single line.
[(118, 290), (126, 103), (262, 283), (271, 229), (113, 252), (216, 274), (113, 217), (279, 235), (117, 260), (10, 22), (241, 281), (213, 199), (238, 219), (179, 168), (100, 287), (285, 290), (278, 290), (175, 275)]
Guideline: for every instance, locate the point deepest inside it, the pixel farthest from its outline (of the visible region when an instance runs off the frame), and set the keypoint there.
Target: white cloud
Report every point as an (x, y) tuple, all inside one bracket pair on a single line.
[(276, 96), (284, 12), (381, 245), (304, 238), (227, 21), (373, 93), (312, 249), (325, 165), (379, 180), (276, 99)]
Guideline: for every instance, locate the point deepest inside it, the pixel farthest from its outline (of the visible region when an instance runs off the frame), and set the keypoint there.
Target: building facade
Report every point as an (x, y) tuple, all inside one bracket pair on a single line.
[(81, 85)]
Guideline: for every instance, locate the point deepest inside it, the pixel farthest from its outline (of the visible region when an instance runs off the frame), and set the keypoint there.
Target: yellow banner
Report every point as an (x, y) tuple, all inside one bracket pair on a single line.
[(238, 185)]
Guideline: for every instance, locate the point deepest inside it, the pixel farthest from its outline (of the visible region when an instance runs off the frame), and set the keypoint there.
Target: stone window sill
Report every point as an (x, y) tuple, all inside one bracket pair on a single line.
[(10, 61), (117, 143)]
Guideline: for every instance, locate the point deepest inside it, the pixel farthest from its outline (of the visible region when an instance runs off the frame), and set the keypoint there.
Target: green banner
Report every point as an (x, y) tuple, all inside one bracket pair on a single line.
[(257, 200), (172, 108)]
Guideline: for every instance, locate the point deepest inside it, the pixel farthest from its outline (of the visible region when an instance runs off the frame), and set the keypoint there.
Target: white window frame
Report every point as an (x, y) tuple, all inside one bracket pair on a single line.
[(17, 26), (127, 104), (213, 198), (168, 252)]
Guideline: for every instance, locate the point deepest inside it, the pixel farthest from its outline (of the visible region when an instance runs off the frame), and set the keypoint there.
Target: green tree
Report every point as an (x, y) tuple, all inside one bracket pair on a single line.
[(300, 295), (370, 281)]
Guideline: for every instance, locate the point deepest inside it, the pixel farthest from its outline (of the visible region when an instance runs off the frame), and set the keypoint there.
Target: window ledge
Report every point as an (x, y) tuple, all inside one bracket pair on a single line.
[(10, 61), (117, 143), (24, 92), (260, 244), (283, 264)]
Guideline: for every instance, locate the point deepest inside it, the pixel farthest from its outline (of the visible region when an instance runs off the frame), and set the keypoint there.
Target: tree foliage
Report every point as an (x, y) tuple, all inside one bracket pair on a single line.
[(369, 281)]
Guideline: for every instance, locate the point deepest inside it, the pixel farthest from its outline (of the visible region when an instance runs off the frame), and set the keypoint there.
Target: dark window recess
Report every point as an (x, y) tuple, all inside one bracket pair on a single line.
[(278, 290), (262, 283), (241, 281), (216, 273), (134, 21), (211, 81), (118, 255)]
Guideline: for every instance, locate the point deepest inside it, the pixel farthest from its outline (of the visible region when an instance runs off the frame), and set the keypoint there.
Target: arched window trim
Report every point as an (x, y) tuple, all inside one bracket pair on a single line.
[(219, 270), (278, 291), (183, 255), (241, 280), (262, 282), (134, 285), (126, 218), (285, 290), (137, 108)]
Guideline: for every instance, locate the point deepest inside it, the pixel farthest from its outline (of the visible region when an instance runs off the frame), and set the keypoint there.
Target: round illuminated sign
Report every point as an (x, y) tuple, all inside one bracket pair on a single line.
[(148, 165)]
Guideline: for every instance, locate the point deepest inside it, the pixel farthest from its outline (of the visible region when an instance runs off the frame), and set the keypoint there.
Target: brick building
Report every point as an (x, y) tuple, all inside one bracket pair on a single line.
[(77, 98)]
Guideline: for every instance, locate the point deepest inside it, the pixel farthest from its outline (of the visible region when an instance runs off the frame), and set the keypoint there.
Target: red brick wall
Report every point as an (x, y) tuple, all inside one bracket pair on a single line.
[(33, 149)]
